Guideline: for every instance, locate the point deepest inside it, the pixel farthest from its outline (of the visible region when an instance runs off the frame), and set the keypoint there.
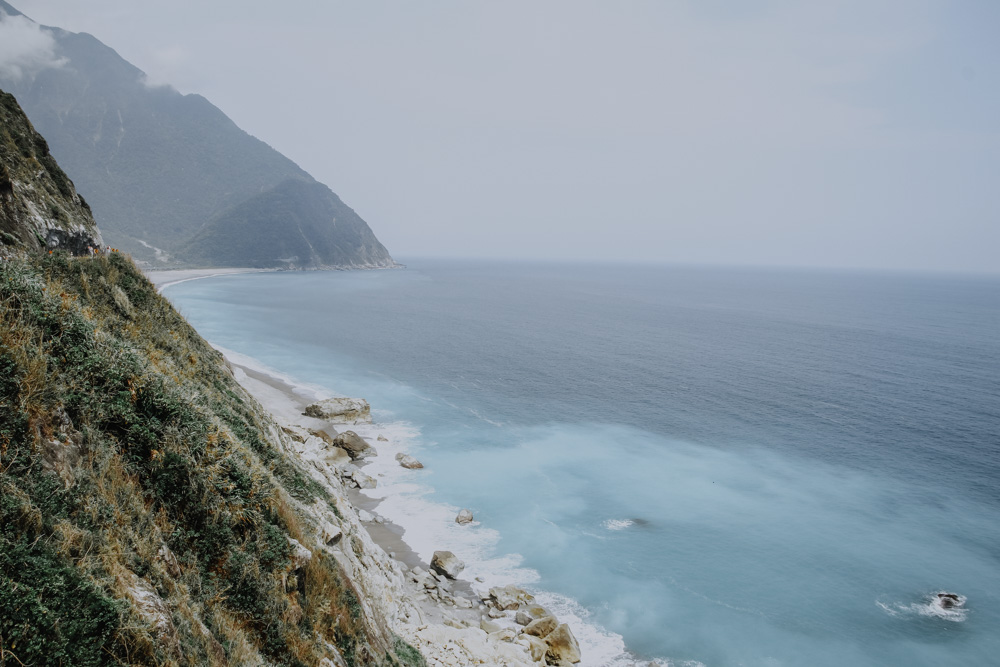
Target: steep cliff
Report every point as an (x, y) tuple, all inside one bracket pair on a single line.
[(151, 512), (39, 206), (156, 165)]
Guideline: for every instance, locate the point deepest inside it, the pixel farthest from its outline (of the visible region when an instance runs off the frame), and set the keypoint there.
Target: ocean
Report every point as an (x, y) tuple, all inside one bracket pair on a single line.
[(698, 466)]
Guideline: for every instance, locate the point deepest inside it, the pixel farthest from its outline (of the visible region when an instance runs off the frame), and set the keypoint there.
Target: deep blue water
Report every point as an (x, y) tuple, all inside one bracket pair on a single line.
[(805, 457)]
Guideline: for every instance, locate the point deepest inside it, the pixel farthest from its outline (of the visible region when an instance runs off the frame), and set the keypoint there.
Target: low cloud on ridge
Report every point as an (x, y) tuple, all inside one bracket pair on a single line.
[(25, 48)]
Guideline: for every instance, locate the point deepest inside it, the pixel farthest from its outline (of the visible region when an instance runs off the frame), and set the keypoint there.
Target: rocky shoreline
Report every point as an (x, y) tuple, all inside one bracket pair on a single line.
[(428, 604)]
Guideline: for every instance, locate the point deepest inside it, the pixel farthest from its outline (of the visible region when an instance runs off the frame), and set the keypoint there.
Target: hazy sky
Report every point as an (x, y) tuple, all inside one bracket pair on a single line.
[(857, 134)]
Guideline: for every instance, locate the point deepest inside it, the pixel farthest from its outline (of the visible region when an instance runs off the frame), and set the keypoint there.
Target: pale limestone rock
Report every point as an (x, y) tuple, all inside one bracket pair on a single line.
[(446, 563), (563, 646), (382, 438), (408, 461), (509, 597), (522, 618), (329, 535), (341, 410), (537, 611), (363, 481), (542, 627), (504, 635), (489, 627), (464, 517), (536, 647)]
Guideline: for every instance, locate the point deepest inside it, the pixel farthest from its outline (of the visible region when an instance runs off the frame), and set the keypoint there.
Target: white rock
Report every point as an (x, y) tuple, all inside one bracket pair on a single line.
[(408, 461), (509, 597), (363, 481), (464, 517), (341, 410), (382, 438)]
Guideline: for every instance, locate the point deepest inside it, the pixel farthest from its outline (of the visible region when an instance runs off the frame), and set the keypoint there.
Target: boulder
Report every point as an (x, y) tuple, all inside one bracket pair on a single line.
[(563, 646), (382, 438), (325, 434), (537, 611), (342, 410), (362, 480), (464, 517), (489, 627), (536, 647), (329, 534), (337, 457), (354, 444), (509, 597), (445, 562), (408, 461), (542, 627)]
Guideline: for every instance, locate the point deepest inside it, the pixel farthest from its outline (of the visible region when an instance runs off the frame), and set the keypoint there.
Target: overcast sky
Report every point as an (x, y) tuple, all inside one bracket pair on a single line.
[(846, 134)]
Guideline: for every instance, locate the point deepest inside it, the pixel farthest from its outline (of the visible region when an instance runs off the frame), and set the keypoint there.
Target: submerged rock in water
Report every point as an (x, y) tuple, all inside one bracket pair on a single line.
[(343, 410), (464, 517), (950, 600), (408, 461)]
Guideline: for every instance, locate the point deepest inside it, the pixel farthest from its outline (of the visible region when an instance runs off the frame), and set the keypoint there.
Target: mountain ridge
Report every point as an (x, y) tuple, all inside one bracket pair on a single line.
[(156, 165)]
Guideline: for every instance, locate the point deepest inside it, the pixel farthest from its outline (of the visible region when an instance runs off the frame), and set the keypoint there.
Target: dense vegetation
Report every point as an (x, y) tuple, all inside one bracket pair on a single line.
[(145, 505)]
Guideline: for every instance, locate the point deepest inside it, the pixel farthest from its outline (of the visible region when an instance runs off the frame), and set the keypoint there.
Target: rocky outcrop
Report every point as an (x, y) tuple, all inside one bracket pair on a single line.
[(39, 205), (341, 410), (464, 517)]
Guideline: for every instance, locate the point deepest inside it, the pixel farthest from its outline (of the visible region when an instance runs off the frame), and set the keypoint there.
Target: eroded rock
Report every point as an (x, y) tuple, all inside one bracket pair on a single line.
[(464, 517)]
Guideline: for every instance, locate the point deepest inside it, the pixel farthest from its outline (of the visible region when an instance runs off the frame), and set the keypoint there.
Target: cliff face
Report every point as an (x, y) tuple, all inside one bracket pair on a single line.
[(156, 165), (151, 512), (39, 206)]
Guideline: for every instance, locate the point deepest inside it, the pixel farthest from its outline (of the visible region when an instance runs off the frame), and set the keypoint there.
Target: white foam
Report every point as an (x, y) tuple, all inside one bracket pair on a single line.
[(618, 524), (930, 606), (430, 526)]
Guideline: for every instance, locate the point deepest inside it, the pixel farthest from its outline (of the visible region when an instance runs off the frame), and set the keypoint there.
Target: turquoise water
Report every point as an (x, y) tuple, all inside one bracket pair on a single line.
[(730, 467)]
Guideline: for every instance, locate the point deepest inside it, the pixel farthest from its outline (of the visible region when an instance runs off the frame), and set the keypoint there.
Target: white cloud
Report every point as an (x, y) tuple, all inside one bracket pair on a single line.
[(25, 48)]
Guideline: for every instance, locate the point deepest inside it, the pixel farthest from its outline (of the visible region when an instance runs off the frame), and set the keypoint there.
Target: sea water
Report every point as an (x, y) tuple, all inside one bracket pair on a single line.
[(692, 465)]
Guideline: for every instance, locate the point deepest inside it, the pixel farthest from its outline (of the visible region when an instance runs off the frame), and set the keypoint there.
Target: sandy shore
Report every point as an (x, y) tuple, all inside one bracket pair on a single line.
[(164, 279)]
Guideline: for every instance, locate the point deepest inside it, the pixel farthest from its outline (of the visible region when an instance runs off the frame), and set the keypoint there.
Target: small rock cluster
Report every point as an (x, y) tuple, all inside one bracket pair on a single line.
[(537, 629)]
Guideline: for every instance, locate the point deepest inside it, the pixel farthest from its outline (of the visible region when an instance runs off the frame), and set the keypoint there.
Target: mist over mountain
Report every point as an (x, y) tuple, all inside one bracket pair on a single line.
[(161, 168)]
